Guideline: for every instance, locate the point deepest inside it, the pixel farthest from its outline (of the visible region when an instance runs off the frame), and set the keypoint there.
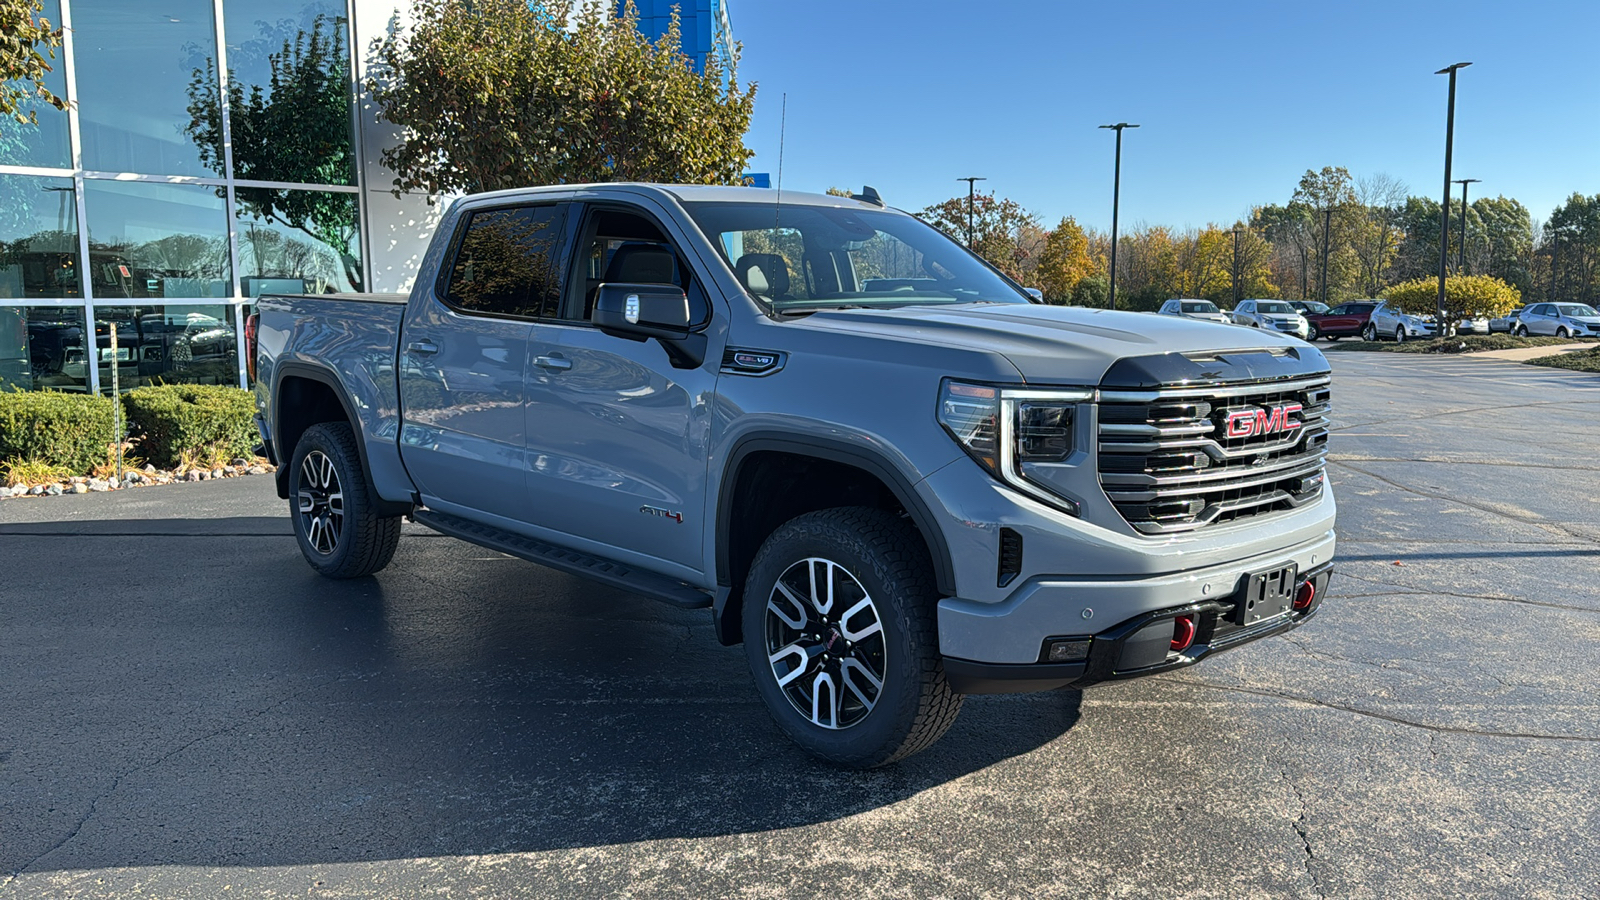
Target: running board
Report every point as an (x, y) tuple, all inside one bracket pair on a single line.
[(605, 571)]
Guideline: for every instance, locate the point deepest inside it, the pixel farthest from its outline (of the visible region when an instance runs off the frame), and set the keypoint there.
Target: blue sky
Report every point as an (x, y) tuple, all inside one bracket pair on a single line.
[(1236, 100)]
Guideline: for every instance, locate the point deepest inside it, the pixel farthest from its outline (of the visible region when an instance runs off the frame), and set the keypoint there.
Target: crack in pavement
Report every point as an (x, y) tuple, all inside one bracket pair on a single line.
[(1385, 717), (1533, 519), (1410, 589), (1300, 828), (94, 802)]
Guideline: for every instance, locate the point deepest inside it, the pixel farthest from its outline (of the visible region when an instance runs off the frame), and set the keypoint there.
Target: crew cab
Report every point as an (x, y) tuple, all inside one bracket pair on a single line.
[(877, 462)]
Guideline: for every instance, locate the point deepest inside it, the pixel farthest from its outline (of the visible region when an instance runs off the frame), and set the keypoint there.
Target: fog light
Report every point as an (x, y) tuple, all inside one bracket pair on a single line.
[(1067, 651), (1305, 594), (1182, 633)]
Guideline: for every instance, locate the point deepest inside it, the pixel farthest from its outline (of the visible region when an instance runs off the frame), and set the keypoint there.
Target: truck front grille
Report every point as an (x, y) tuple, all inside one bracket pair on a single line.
[(1168, 463)]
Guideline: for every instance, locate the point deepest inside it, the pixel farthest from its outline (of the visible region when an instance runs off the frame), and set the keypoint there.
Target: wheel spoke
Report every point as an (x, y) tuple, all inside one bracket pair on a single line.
[(872, 627), (797, 622), (802, 661), (849, 671), (821, 599), (823, 683), (308, 502)]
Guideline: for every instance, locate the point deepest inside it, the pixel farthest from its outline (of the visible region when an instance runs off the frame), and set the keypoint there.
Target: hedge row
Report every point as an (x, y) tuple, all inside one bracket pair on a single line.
[(76, 431)]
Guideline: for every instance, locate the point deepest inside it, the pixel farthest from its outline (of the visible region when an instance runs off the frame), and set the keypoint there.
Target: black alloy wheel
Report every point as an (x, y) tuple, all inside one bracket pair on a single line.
[(332, 506)]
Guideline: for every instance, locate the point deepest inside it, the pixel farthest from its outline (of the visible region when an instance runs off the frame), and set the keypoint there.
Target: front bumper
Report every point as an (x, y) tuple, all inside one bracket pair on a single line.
[(1137, 646)]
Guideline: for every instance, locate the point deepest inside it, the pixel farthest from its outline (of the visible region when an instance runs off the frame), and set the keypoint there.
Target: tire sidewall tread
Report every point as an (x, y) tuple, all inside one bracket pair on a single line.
[(367, 541)]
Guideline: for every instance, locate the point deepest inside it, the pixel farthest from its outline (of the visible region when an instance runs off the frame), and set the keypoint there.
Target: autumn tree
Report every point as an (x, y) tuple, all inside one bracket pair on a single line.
[(508, 93), (1003, 233), (1376, 230), (1293, 237), (1065, 261), (1330, 197), (27, 46), (1466, 296)]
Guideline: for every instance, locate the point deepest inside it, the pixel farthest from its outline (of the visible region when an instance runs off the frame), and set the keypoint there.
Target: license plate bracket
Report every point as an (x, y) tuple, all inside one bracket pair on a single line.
[(1266, 595)]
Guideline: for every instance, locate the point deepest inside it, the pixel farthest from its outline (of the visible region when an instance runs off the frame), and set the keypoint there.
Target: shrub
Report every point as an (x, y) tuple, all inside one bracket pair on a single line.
[(175, 423), (1465, 296), (71, 431)]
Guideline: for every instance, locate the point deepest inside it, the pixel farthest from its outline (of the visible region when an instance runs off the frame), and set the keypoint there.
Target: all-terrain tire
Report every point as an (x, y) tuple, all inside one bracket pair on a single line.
[(331, 505), (860, 552)]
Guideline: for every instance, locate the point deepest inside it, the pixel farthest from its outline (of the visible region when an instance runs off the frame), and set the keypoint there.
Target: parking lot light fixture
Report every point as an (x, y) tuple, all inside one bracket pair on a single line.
[(1116, 194), (1461, 255), (1444, 214), (971, 198)]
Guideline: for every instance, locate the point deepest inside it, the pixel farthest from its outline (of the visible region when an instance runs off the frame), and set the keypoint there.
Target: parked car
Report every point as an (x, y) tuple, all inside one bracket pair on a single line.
[(1204, 310), (1273, 315), (1474, 325), (1390, 322), (1559, 320), (1506, 323), (717, 432), (1309, 307), (1344, 320)]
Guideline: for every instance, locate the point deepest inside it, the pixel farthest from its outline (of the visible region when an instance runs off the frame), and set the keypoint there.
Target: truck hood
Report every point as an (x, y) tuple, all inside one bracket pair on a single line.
[(1049, 344)]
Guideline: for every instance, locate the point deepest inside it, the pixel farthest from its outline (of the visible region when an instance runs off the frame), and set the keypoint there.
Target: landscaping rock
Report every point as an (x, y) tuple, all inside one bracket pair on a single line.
[(150, 468), (37, 490), (194, 475), (52, 490), (80, 488), (239, 463), (216, 473), (257, 470)]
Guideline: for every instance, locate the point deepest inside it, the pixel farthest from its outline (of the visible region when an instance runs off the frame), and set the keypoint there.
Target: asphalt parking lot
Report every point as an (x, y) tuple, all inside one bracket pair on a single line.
[(189, 712)]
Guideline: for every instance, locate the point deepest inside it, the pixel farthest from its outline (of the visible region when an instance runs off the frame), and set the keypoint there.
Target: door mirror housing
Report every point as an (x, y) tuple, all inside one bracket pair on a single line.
[(1035, 293), (642, 311)]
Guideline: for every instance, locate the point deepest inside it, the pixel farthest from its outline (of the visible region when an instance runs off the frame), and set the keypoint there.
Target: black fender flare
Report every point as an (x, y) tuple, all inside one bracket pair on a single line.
[(724, 609), (285, 455)]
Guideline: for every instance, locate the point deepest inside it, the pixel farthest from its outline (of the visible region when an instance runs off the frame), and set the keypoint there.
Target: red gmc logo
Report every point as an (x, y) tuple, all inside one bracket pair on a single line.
[(1259, 421)]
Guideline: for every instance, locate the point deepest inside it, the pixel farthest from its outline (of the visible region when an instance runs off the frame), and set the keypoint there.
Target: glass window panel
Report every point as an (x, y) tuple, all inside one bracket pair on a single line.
[(41, 347), (508, 263), (167, 345), (38, 238), (298, 241), (157, 240), (44, 144), (289, 90), (147, 86)]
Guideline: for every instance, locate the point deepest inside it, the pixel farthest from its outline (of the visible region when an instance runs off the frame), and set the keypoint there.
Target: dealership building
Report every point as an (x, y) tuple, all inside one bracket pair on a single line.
[(158, 209)]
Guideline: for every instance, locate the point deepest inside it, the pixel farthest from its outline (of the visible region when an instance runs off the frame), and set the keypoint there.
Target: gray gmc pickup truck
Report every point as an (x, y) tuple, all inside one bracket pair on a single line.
[(884, 469)]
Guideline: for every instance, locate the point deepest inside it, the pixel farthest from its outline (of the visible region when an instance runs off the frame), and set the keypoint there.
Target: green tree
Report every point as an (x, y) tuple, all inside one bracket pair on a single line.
[(1330, 198), (295, 128), (1575, 224), (1506, 248), (1003, 233), (27, 45), (499, 94), (1293, 237)]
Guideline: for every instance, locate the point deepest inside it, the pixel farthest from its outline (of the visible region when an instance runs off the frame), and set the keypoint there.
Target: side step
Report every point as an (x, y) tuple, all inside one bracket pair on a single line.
[(605, 571)]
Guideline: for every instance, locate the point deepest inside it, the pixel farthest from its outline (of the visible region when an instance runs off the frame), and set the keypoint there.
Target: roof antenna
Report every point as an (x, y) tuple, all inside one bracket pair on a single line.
[(783, 122)]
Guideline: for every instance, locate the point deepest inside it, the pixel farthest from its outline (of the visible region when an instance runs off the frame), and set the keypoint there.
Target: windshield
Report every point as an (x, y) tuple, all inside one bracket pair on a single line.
[(1280, 308), (815, 257), (1314, 307), (1204, 306), (1577, 309)]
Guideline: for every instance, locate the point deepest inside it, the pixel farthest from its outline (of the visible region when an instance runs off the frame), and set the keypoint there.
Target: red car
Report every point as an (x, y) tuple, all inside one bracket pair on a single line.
[(1344, 319)]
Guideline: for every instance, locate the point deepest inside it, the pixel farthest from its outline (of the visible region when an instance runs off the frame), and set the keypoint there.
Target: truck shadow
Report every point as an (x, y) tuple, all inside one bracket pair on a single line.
[(459, 703)]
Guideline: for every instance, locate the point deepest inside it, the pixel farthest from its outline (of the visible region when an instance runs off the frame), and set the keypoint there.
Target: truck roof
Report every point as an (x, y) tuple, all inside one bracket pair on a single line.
[(689, 193)]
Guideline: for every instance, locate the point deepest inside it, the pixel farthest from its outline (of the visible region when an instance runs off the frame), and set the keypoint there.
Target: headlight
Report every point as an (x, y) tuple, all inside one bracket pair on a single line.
[(1023, 437)]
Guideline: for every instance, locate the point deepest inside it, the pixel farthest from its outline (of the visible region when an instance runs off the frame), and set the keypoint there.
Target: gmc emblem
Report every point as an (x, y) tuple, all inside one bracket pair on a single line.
[(1261, 421)]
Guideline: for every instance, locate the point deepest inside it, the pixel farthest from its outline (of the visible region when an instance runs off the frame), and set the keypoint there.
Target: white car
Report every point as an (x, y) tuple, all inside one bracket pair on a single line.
[(1204, 310), (1559, 320), (1475, 325), (1273, 315), (1388, 322)]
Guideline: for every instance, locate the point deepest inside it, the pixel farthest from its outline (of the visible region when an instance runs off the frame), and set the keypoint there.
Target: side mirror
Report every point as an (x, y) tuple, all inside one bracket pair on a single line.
[(1035, 293), (641, 311)]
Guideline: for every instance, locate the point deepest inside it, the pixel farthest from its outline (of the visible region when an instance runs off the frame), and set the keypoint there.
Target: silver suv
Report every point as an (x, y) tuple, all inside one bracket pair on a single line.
[(1204, 310), (1559, 320), (1273, 315), (1388, 322)]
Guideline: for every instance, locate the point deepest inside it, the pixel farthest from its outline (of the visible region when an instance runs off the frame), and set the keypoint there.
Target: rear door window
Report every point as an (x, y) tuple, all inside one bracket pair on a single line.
[(509, 262)]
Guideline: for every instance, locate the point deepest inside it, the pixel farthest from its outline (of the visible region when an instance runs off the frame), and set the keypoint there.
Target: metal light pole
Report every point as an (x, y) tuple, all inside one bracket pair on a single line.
[(1236, 232), (1444, 214), (1116, 196), (1461, 257), (971, 195), (1327, 241)]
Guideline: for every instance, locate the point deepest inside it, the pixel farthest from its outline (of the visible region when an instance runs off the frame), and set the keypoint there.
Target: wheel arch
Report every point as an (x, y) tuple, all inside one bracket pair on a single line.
[(304, 395), (850, 474)]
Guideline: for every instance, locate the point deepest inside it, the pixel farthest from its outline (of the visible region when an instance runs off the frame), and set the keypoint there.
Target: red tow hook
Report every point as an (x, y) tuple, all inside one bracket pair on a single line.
[(1182, 633), (1306, 593)]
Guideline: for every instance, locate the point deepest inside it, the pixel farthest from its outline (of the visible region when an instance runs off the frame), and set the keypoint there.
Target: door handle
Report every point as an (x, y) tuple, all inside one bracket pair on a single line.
[(558, 363), (422, 348)]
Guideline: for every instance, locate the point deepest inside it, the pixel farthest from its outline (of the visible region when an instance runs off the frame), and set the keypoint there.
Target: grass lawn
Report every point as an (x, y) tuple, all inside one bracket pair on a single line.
[(1580, 360), (1470, 343)]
